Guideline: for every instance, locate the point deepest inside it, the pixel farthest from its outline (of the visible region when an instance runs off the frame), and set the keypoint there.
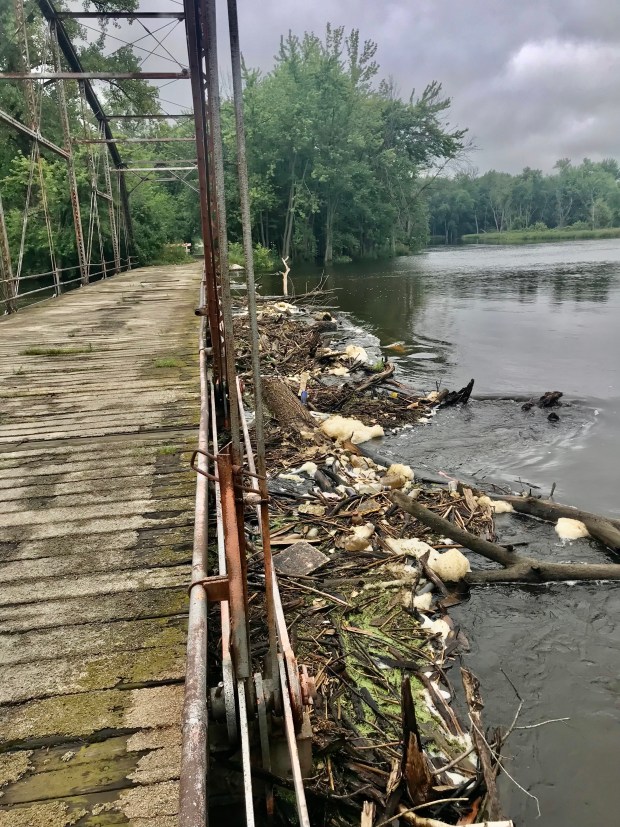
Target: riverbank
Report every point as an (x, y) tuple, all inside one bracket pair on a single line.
[(521, 319), (538, 236)]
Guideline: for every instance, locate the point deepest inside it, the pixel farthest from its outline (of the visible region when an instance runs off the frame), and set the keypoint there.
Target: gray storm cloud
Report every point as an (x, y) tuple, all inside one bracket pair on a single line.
[(533, 81)]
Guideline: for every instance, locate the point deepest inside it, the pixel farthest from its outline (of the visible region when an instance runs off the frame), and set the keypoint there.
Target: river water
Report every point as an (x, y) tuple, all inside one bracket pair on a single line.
[(521, 320)]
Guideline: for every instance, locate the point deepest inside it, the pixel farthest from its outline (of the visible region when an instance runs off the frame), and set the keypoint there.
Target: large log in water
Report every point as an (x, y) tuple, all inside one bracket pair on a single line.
[(607, 531), (517, 568)]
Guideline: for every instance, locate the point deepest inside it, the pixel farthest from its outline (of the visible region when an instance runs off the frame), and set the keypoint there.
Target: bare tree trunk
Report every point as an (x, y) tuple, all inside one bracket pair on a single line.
[(284, 275), (329, 232), (288, 223), (282, 403), (606, 531)]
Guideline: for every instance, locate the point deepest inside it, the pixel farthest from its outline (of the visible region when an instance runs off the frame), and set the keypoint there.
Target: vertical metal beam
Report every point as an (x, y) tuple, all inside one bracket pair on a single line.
[(73, 187), (246, 223), (71, 56), (244, 196), (116, 248), (7, 285), (22, 36), (194, 50), (34, 126), (209, 24)]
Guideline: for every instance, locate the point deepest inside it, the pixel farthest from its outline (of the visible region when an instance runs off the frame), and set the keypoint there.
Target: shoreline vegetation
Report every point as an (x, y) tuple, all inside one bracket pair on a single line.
[(533, 236)]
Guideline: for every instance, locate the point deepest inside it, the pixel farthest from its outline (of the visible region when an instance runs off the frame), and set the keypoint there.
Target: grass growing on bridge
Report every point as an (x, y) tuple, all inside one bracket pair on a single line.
[(168, 362)]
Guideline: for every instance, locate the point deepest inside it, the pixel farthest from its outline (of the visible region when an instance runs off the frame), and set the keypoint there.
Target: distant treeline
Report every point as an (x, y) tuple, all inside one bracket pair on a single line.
[(574, 198)]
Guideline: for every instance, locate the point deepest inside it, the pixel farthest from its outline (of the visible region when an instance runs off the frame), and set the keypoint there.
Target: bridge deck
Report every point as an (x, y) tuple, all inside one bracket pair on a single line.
[(98, 397)]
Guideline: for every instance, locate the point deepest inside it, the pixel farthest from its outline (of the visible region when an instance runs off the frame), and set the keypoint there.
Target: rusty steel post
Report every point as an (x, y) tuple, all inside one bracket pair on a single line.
[(227, 664), (236, 567), (244, 195), (208, 19), (116, 250), (7, 284), (73, 187), (194, 50)]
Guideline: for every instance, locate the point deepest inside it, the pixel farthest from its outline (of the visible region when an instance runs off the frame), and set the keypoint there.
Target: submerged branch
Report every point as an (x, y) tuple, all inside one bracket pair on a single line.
[(517, 568), (604, 530)]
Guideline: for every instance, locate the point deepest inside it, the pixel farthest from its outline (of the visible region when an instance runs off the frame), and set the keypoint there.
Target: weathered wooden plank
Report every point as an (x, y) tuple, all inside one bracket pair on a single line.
[(124, 605), (92, 639)]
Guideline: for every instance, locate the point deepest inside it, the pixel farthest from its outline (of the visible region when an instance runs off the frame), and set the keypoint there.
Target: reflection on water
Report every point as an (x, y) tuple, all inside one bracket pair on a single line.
[(517, 319), (522, 320)]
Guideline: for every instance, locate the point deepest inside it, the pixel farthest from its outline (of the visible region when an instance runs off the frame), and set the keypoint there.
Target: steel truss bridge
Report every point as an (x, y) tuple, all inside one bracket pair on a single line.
[(262, 702)]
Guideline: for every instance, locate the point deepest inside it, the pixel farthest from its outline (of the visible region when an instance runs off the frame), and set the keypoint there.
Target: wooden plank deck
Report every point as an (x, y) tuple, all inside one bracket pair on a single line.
[(98, 408)]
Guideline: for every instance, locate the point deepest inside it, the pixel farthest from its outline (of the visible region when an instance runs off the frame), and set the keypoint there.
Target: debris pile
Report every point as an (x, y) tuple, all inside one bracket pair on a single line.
[(369, 561), (366, 587), (366, 591)]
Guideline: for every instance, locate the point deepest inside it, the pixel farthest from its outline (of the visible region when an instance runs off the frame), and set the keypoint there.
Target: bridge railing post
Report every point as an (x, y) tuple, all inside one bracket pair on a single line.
[(7, 283), (73, 187)]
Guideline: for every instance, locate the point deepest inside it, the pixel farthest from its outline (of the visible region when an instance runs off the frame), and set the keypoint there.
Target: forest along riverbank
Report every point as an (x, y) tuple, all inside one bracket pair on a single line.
[(376, 578), (514, 318)]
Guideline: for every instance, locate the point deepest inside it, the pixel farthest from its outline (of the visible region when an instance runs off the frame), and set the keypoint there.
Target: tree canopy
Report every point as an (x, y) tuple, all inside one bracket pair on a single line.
[(338, 160)]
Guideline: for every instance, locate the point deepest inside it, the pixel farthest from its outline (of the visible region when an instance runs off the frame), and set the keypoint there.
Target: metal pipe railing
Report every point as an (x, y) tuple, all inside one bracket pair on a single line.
[(194, 755), (15, 297)]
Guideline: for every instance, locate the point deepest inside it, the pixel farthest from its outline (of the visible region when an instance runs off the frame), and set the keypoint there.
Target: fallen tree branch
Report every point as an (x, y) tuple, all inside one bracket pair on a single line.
[(517, 568), (492, 551), (410, 817), (378, 377), (604, 530), (457, 397)]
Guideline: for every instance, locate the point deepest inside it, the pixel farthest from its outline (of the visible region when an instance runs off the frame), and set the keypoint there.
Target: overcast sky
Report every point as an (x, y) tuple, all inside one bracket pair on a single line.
[(533, 80)]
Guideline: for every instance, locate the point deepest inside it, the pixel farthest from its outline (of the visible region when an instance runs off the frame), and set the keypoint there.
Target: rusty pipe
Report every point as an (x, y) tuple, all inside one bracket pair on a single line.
[(193, 785)]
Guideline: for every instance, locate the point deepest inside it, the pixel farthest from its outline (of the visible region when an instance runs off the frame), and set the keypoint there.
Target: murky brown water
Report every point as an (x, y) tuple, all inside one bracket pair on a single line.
[(522, 320)]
